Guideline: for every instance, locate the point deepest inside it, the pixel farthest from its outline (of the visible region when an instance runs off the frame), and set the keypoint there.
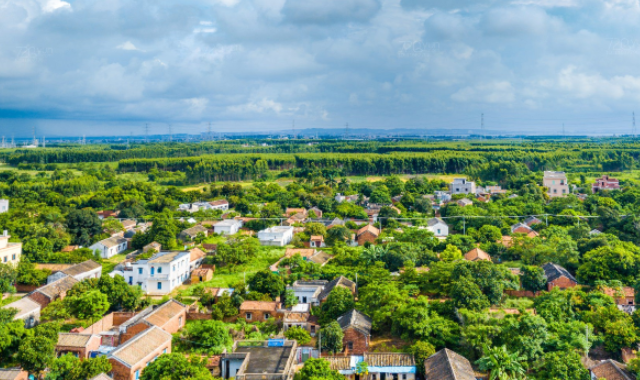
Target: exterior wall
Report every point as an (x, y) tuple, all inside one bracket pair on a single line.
[(276, 238), (562, 283), (176, 323), (133, 331), (23, 375), (462, 187), (227, 229), (11, 253), (40, 298), (557, 187), (366, 237), (107, 252), (81, 352), (257, 315), (31, 319), (439, 229), (4, 205), (195, 279), (306, 296), (359, 341), (122, 372), (171, 275)]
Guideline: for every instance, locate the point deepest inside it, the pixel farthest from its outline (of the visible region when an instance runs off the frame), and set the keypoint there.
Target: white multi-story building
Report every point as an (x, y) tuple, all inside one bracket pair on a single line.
[(10, 253), (160, 274), (4, 205), (227, 227), (278, 236), (462, 186), (110, 247)]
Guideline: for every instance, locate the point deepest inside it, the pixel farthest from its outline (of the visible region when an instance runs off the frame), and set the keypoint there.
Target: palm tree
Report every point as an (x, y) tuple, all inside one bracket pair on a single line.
[(374, 253), (502, 364), (343, 185)]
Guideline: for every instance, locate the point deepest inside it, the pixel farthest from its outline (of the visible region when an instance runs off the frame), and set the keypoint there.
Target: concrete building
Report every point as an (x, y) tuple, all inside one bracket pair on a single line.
[(462, 186), (160, 274), (557, 184), (308, 291), (558, 277), (438, 227), (273, 359), (110, 247), (227, 227), (381, 366), (85, 270), (276, 236), (79, 345), (10, 253)]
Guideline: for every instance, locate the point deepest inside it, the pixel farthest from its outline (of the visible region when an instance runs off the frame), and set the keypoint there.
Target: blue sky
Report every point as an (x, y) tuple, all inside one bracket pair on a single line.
[(108, 67)]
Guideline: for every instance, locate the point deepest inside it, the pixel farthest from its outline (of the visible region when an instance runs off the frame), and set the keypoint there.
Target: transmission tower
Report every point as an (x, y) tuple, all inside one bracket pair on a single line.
[(170, 133), (346, 131), (209, 135), (633, 127), (482, 124), (146, 132)]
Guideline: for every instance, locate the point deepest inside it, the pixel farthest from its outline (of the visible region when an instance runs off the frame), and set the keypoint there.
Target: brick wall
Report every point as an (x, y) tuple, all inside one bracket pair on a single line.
[(360, 342), (133, 331), (197, 316), (40, 298), (176, 323), (521, 293), (562, 283), (22, 288), (366, 237), (120, 317), (257, 315)]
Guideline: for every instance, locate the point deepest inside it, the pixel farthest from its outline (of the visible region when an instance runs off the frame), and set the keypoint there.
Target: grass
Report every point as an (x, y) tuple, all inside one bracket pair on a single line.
[(517, 302), (109, 264), (9, 299)]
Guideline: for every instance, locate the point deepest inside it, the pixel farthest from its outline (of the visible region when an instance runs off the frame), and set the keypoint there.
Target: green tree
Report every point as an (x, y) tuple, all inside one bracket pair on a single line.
[(489, 234), (563, 365), (533, 278), (298, 334), (317, 369), (338, 234), (69, 367), (331, 336), (421, 350), (467, 294), (92, 304), (451, 253), (82, 225), (35, 353), (339, 301), (502, 364), (8, 275), (176, 366), (267, 282), (290, 298), (237, 250), (207, 336)]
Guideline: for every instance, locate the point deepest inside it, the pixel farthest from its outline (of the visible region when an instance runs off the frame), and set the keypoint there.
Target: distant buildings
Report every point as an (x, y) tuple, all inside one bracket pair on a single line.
[(10, 253), (558, 277), (227, 227), (220, 204), (82, 271), (557, 184), (605, 183), (462, 186)]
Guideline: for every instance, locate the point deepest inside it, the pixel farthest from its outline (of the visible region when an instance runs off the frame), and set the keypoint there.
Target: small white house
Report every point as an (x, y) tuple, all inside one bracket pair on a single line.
[(227, 227), (110, 247), (220, 204), (85, 270), (10, 253), (160, 274), (308, 291), (462, 186), (438, 227), (4, 205), (277, 236)]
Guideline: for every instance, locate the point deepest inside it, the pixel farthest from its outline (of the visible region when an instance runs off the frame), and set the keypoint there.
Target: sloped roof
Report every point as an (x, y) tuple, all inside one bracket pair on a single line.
[(140, 346), (163, 313), (9, 373), (389, 359), (259, 306), (308, 252), (340, 281), (611, 370), (477, 254), (219, 202), (368, 228), (196, 254), (24, 305), (58, 287), (74, 340), (320, 257), (101, 376), (83, 267), (554, 271), (195, 230), (522, 227), (433, 221), (356, 320), (532, 220), (448, 365), (113, 241)]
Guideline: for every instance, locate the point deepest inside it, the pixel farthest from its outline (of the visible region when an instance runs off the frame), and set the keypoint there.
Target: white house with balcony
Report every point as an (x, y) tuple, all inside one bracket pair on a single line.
[(159, 274), (276, 236)]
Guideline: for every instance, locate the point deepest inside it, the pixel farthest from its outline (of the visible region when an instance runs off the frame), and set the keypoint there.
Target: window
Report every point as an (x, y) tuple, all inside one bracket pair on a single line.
[(137, 374), (130, 280), (180, 321), (164, 351), (304, 299), (13, 257), (5, 259), (159, 285), (159, 270), (248, 317), (139, 270), (350, 345), (438, 231), (153, 270), (266, 316)]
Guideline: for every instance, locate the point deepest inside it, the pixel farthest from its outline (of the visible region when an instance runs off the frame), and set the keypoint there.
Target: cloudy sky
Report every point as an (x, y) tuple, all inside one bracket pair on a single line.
[(110, 66)]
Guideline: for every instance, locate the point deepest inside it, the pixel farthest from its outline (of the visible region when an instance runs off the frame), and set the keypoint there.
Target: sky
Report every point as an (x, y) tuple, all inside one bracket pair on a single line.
[(109, 67)]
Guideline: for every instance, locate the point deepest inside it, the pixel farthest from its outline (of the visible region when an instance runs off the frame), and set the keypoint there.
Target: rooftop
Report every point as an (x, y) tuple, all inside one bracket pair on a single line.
[(74, 340), (166, 257), (56, 288), (448, 365), (9, 373), (611, 370), (356, 320), (83, 267), (140, 346), (113, 241), (24, 305), (259, 306), (340, 281), (554, 271), (163, 313), (267, 360)]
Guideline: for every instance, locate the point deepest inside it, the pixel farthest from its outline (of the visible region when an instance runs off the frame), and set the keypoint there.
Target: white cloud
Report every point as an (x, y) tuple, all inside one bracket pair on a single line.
[(226, 3), (261, 106), (127, 46), (494, 92), (53, 5)]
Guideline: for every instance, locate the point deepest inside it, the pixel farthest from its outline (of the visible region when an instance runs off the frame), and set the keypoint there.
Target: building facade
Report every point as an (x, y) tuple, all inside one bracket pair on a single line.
[(110, 247), (462, 186), (276, 236), (605, 183), (10, 253), (557, 184), (160, 274)]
